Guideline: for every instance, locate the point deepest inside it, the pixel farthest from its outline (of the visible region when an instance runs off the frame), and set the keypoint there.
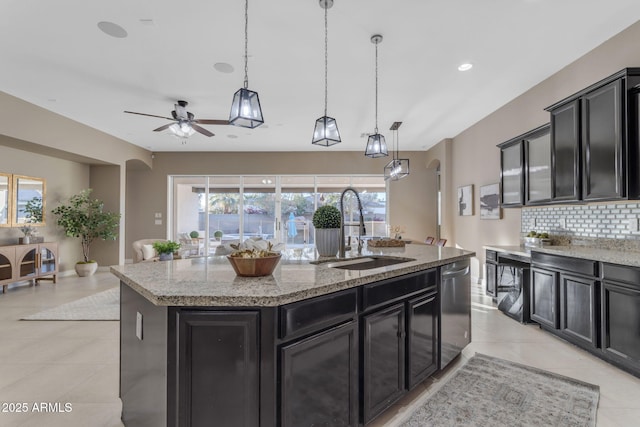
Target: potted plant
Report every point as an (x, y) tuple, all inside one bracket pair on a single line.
[(218, 235), (85, 218), (326, 220), (194, 234), (166, 249)]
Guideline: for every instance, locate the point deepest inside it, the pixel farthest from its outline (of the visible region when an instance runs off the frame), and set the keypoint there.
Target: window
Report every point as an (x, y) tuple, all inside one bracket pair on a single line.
[(279, 208)]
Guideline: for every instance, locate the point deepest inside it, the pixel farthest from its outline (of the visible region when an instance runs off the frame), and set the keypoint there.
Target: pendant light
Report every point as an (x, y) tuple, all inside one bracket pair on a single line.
[(245, 109), (397, 168), (376, 144), (326, 131)]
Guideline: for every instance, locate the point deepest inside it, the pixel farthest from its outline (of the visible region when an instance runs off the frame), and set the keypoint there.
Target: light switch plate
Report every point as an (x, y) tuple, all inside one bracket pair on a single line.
[(633, 224), (158, 222), (139, 325), (158, 214)]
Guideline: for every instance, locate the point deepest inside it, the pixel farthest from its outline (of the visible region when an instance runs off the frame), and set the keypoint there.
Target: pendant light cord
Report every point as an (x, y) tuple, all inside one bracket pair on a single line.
[(246, 43), (376, 87), (326, 59)]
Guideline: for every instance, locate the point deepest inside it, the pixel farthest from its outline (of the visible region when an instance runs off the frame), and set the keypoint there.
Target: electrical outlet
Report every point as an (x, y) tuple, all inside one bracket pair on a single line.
[(158, 222), (158, 214), (562, 222), (139, 325), (632, 224), (533, 224)]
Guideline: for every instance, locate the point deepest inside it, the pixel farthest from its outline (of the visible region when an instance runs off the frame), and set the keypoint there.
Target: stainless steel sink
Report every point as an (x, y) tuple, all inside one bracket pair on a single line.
[(368, 263)]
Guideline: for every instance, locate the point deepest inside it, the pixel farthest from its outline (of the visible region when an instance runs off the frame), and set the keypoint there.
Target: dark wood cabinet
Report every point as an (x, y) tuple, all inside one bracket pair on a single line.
[(525, 169), (511, 173), (217, 368), (319, 379), (602, 143), (595, 141), (544, 297), (621, 316), (578, 316), (537, 171), (383, 359), (422, 338), (565, 152)]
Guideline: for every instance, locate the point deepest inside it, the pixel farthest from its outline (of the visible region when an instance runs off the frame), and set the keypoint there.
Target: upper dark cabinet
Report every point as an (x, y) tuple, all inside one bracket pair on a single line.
[(594, 141), (511, 173), (565, 152), (525, 169), (537, 174)]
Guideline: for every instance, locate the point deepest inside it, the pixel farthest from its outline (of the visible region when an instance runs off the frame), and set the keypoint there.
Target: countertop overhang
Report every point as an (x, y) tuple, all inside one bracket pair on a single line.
[(211, 281), (612, 256)]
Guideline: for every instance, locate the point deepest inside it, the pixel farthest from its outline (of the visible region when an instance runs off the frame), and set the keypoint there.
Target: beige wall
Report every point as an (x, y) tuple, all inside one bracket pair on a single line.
[(147, 190), (63, 179), (105, 182), (475, 158)]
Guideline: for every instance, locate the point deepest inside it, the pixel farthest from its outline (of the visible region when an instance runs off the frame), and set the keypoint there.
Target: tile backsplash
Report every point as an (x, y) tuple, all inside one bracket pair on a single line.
[(615, 224)]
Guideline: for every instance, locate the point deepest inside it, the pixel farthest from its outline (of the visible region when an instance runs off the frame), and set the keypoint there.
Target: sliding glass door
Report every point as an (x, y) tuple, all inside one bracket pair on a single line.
[(224, 209)]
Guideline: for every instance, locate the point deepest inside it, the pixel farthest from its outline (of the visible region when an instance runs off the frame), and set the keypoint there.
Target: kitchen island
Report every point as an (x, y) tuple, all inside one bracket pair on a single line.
[(317, 342)]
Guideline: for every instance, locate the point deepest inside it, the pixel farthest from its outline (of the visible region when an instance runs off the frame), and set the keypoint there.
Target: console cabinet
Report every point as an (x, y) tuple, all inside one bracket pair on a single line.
[(28, 262)]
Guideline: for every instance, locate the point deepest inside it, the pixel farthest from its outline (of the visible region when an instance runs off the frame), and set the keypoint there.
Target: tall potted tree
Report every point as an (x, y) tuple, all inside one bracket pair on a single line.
[(85, 218), (326, 220)]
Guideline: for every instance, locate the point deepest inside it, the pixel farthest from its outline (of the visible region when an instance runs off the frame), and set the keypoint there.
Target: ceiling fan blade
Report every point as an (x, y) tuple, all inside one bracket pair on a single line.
[(211, 122), (161, 128), (149, 115), (201, 130)]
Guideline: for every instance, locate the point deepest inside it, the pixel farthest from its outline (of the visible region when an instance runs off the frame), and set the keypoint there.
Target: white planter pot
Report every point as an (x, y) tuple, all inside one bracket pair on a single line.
[(327, 241), (87, 269)]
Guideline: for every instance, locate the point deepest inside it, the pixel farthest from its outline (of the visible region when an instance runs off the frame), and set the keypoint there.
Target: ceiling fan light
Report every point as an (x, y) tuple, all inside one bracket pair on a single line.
[(376, 146), (182, 130), (326, 132), (245, 109), (396, 169)]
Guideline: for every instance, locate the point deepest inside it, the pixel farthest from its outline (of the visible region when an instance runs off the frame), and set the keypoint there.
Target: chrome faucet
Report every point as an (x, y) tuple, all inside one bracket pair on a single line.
[(361, 230)]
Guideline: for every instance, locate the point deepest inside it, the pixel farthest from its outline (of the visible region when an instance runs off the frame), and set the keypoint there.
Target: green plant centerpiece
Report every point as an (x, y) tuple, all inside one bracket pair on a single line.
[(85, 218), (166, 249), (253, 262), (326, 221), (194, 234), (218, 234)]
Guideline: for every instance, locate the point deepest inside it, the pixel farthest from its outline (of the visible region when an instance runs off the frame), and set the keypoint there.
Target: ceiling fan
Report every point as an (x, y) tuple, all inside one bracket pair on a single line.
[(184, 123)]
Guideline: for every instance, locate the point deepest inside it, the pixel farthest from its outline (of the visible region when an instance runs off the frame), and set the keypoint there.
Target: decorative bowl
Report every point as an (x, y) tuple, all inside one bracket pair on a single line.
[(254, 267)]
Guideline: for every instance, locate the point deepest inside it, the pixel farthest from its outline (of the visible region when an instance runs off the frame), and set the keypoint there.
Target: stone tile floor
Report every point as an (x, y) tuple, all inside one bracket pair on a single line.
[(76, 362)]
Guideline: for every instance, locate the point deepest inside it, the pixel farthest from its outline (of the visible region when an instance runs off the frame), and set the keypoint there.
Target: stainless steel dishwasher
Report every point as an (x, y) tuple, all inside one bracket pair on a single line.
[(455, 310)]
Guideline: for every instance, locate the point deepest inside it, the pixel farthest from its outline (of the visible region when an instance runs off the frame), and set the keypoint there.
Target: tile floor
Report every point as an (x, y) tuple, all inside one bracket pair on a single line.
[(76, 362)]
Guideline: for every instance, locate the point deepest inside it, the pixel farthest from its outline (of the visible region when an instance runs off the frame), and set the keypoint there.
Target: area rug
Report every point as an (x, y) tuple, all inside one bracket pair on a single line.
[(488, 391), (101, 306)]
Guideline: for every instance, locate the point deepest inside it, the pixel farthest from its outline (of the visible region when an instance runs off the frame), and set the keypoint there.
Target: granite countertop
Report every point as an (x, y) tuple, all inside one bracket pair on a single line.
[(613, 256), (211, 281)]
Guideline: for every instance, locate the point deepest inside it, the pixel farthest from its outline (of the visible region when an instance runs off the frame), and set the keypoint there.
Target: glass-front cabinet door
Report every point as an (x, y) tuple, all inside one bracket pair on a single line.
[(538, 166), (511, 175)]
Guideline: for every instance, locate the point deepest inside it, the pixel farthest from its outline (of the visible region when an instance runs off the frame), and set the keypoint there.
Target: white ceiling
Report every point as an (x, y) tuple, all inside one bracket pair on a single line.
[(53, 55)]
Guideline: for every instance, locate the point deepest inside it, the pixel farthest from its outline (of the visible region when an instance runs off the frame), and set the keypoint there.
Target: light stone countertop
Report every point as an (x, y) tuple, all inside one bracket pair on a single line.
[(627, 258), (211, 281)]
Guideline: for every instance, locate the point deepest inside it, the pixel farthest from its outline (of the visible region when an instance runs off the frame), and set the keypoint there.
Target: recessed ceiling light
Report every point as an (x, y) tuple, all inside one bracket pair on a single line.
[(232, 136), (465, 67), (223, 67), (111, 29)]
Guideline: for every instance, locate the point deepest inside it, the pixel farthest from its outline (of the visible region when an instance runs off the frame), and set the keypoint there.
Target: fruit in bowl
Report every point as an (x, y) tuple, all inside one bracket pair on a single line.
[(253, 262)]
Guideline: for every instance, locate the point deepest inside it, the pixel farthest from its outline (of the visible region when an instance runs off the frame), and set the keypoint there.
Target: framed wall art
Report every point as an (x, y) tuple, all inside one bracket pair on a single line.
[(465, 200), (490, 202)]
